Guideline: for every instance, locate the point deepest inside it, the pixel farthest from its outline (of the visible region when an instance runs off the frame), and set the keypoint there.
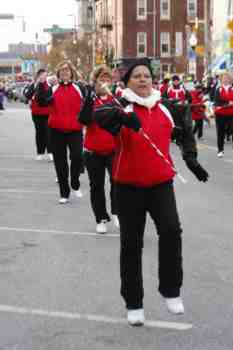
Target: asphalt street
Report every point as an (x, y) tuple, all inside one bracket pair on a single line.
[(59, 281)]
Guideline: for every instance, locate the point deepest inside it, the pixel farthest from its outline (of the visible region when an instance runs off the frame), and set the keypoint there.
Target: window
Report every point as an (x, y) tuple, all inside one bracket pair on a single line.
[(165, 9), (192, 8), (165, 44), (141, 44), (141, 9), (179, 44)]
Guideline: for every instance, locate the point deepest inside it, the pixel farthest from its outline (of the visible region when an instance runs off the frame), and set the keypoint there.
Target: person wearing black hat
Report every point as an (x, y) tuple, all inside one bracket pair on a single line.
[(177, 92), (143, 173)]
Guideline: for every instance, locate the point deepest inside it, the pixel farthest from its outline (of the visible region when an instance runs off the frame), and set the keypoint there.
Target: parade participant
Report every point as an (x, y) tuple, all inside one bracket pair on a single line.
[(144, 183), (223, 110), (65, 100), (177, 91), (2, 96), (164, 86), (99, 148), (198, 110), (40, 116)]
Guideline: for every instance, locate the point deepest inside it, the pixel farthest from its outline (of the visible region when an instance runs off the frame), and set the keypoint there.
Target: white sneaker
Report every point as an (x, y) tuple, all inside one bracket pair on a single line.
[(101, 227), (220, 154), (50, 157), (116, 221), (63, 200), (175, 305), (39, 157), (136, 317), (78, 194)]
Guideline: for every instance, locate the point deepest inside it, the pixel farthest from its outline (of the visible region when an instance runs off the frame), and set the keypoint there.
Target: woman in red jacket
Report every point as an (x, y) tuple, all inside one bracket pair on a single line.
[(223, 110), (198, 110), (144, 183), (40, 116), (65, 100), (99, 148)]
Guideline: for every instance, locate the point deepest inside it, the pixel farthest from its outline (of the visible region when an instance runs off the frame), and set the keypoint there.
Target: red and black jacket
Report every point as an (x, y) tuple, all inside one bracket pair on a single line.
[(136, 162), (96, 139), (177, 93), (197, 108), (29, 93), (65, 101), (223, 100)]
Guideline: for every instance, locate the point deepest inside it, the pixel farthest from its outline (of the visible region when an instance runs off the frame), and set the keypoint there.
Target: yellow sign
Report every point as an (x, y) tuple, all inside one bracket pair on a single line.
[(231, 42), (200, 50), (99, 59), (230, 25)]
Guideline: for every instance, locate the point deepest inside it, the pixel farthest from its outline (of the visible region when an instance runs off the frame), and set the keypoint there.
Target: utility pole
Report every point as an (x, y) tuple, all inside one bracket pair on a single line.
[(93, 34), (206, 36)]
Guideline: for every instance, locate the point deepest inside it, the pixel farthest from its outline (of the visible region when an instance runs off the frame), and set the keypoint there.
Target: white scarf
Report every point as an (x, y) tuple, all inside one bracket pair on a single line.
[(147, 102)]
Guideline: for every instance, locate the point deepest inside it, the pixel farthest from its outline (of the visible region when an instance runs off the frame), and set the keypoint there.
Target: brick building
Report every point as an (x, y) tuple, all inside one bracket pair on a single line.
[(160, 29)]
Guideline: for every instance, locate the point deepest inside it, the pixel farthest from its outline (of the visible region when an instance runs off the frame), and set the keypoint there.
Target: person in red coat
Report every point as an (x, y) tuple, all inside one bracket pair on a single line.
[(198, 110), (223, 110), (99, 146), (65, 100), (164, 86), (177, 92), (143, 172), (40, 116)]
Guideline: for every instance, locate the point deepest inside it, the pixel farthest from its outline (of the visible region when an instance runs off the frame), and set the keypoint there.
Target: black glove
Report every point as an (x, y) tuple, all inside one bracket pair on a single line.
[(112, 115), (131, 121), (108, 117), (86, 114), (197, 170)]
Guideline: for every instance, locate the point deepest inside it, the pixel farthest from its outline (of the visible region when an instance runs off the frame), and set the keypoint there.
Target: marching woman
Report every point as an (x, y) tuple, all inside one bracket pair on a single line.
[(176, 91), (223, 110), (99, 146), (40, 115), (143, 178), (65, 100), (198, 110)]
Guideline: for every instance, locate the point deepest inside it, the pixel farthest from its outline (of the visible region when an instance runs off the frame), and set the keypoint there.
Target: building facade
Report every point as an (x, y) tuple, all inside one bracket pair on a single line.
[(176, 34), (27, 49)]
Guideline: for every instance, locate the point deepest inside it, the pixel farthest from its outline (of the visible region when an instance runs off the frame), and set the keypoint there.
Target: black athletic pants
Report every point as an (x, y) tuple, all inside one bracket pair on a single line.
[(96, 166), (198, 128), (60, 143), (133, 203), (42, 133), (221, 126)]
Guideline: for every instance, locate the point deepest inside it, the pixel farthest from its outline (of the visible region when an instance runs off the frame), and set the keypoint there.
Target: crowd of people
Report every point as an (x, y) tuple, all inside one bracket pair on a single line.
[(125, 129)]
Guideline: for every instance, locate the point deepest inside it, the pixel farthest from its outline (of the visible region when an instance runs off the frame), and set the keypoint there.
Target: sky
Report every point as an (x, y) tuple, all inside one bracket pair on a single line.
[(41, 14), (38, 14)]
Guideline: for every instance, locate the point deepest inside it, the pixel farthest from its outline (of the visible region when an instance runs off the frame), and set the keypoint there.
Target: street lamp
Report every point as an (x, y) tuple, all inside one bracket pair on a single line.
[(193, 41), (91, 10), (192, 55), (23, 23)]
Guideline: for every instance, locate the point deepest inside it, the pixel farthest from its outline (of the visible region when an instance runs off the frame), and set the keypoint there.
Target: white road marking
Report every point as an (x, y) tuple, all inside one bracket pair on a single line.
[(14, 190), (24, 170), (95, 318), (24, 156), (57, 232)]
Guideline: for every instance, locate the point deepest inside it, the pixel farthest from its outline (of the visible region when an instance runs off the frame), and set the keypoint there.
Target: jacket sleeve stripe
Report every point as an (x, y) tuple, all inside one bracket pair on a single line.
[(167, 113)]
